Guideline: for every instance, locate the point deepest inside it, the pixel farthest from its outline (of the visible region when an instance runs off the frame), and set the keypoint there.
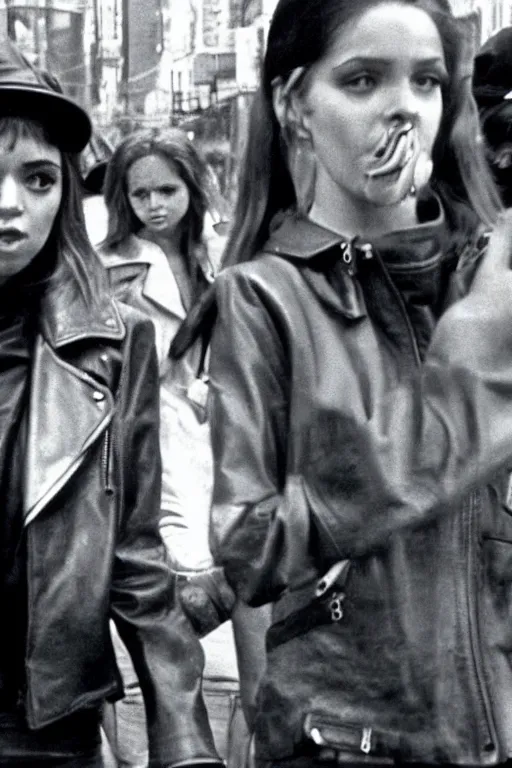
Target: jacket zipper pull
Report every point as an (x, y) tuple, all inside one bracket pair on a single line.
[(366, 741), (333, 574)]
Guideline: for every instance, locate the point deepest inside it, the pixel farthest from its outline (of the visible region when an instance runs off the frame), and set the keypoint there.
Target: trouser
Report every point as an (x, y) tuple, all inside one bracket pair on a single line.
[(125, 727)]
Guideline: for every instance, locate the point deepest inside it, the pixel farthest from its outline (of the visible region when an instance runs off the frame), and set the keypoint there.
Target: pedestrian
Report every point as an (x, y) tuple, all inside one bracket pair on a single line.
[(158, 196), (93, 165), (361, 394), (492, 89), (80, 467)]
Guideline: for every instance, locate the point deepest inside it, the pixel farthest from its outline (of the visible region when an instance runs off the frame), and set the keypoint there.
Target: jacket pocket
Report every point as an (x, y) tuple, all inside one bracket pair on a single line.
[(350, 741)]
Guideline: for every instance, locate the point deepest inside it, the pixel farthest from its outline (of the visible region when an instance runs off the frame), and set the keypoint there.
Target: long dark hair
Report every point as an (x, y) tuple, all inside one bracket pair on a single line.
[(67, 256), (300, 33), (174, 146)]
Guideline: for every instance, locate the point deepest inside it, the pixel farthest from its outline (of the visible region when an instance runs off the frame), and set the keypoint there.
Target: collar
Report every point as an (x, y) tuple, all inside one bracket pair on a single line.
[(299, 239), (160, 285), (68, 316)]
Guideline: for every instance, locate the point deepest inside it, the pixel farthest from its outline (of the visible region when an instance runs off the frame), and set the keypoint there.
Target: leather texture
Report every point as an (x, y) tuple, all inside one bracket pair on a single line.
[(92, 483), (338, 436)]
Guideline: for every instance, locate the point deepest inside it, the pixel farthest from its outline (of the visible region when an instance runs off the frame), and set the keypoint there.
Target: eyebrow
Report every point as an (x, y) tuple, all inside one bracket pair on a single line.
[(165, 185), (34, 165), (434, 61)]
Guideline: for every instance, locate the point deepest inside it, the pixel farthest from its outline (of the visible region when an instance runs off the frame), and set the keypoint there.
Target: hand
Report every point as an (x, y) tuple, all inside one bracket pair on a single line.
[(206, 599), (495, 265)]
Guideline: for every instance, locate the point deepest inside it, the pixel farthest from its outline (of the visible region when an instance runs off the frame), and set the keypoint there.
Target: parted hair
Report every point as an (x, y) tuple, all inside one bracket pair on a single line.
[(173, 145), (300, 34)]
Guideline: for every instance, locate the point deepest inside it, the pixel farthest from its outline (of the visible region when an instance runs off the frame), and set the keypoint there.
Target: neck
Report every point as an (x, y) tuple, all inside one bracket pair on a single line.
[(334, 209), (169, 242)]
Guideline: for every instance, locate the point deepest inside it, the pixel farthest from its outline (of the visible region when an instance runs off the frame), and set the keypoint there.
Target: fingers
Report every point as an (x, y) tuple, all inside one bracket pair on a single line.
[(422, 170), (499, 249)]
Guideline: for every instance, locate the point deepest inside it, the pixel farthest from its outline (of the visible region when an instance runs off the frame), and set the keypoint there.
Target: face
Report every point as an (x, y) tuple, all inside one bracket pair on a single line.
[(30, 196), (158, 195), (373, 105)]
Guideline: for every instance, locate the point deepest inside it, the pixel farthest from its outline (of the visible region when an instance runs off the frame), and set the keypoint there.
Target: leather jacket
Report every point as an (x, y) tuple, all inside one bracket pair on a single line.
[(91, 507), (363, 465)]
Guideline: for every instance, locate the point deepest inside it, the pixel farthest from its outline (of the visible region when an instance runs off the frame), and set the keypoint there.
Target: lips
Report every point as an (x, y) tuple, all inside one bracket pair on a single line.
[(11, 235)]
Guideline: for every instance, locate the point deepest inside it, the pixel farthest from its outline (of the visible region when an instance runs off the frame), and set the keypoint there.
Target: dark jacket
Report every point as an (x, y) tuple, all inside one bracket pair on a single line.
[(91, 506), (350, 424)]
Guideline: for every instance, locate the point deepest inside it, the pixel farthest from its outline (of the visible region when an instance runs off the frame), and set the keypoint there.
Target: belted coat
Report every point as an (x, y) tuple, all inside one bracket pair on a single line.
[(91, 498)]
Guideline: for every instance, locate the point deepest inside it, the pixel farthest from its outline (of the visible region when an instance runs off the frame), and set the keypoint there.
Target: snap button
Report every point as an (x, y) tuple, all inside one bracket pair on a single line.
[(367, 250), (104, 358), (98, 396), (110, 322)]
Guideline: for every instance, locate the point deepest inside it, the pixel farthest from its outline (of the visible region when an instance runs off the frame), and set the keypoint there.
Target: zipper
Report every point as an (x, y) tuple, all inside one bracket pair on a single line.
[(490, 742), (106, 463), (28, 702)]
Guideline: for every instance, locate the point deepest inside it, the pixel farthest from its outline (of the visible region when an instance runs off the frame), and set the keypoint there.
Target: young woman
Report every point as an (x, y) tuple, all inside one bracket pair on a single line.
[(79, 467), (158, 194), (361, 394)]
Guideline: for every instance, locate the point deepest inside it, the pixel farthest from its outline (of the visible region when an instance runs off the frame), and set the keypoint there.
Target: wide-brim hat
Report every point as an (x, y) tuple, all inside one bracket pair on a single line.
[(492, 76), (26, 92)]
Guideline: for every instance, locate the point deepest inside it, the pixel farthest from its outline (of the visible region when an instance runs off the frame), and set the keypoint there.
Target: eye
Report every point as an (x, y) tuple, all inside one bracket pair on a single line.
[(362, 83), (428, 83), (41, 181), (168, 190), (139, 194)]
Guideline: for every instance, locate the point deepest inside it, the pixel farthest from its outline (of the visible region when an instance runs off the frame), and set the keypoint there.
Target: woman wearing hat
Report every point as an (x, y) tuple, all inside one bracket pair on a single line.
[(79, 468)]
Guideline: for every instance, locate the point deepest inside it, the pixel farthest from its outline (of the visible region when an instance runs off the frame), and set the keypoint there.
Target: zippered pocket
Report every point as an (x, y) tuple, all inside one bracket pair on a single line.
[(106, 463), (360, 743)]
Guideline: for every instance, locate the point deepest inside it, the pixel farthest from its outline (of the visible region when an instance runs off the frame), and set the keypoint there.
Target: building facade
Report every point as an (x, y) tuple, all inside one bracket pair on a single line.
[(492, 15), (51, 34)]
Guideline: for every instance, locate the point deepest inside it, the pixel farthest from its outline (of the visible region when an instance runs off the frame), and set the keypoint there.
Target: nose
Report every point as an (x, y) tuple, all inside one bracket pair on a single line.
[(10, 199), (154, 199), (403, 104)]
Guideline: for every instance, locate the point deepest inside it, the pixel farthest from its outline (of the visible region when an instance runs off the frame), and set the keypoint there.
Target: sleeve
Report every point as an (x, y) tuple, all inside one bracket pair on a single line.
[(165, 651), (433, 438)]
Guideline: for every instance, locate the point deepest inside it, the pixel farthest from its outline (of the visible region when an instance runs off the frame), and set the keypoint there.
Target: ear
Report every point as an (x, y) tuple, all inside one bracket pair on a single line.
[(279, 102), (299, 117), (288, 105)]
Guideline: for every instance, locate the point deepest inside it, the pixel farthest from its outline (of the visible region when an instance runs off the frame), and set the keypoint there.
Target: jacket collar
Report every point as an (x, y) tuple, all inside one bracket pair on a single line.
[(67, 316), (298, 238), (160, 285), (61, 390)]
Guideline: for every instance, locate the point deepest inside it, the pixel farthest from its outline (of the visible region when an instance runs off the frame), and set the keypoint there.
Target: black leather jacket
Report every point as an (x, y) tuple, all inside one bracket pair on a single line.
[(336, 438), (91, 505)]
